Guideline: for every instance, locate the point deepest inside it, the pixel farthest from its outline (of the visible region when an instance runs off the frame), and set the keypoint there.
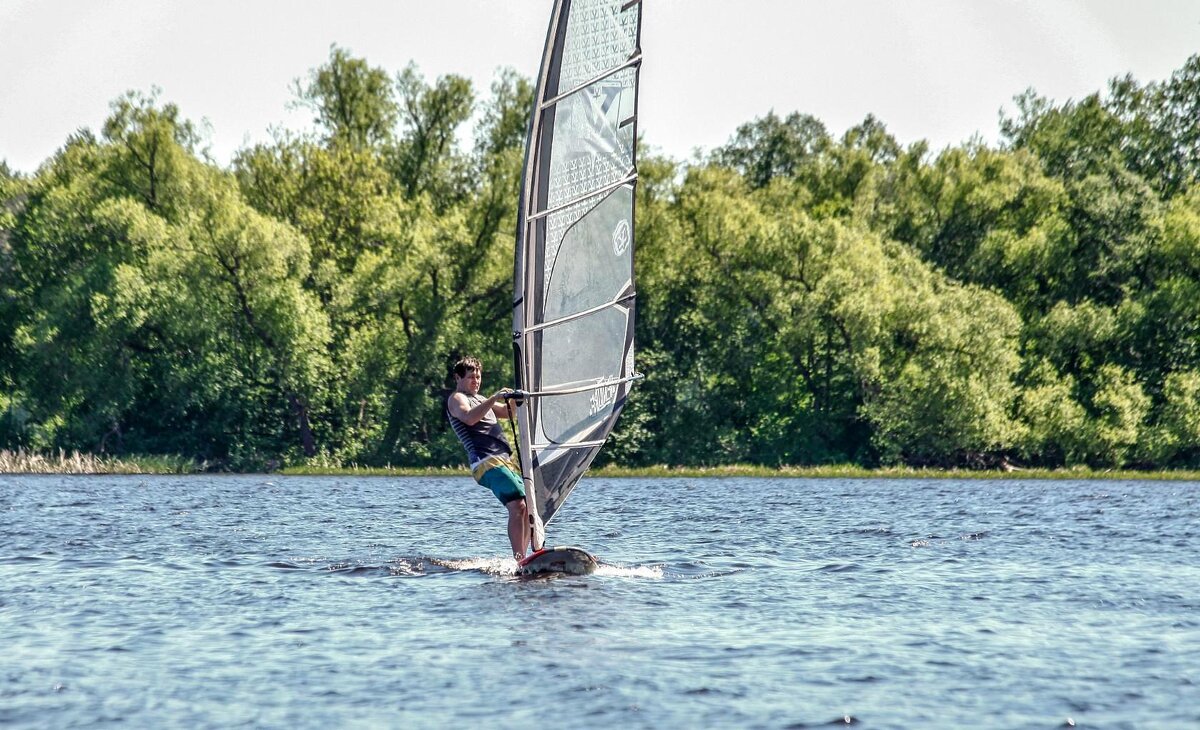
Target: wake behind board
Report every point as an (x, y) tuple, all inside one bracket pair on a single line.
[(568, 560)]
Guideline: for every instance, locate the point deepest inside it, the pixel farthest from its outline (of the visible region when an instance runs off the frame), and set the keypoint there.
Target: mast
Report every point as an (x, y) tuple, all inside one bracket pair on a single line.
[(522, 278)]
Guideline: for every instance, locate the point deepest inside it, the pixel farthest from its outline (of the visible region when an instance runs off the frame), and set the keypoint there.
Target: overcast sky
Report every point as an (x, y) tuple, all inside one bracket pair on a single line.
[(929, 69)]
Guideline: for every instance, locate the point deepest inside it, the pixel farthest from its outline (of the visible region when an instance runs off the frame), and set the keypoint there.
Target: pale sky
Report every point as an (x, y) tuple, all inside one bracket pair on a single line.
[(929, 69)]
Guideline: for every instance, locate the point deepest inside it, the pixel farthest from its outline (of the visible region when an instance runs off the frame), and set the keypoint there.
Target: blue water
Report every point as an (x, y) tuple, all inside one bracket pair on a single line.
[(224, 601)]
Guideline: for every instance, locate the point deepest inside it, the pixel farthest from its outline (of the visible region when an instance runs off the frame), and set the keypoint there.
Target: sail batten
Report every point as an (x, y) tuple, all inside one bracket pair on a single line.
[(577, 445), (603, 75), (562, 320), (631, 177), (574, 294), (572, 388)]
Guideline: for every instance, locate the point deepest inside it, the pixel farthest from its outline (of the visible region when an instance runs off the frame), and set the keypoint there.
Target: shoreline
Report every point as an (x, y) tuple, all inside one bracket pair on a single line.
[(23, 463), (793, 472)]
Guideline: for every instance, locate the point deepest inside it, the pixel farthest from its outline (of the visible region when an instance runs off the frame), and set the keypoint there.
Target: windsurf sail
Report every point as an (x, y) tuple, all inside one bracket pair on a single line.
[(573, 303)]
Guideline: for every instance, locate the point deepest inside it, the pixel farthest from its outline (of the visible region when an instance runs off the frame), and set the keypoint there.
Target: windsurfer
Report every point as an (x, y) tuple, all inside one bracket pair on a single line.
[(474, 420)]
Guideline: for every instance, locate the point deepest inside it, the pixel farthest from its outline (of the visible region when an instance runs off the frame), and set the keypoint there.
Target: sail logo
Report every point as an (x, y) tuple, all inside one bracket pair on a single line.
[(621, 237), (603, 396)]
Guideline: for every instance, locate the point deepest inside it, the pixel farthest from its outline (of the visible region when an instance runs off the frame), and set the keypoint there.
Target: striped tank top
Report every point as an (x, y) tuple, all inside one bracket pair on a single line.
[(484, 439)]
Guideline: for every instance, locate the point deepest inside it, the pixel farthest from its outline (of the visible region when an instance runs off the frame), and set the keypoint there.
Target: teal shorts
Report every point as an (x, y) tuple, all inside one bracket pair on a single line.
[(505, 483)]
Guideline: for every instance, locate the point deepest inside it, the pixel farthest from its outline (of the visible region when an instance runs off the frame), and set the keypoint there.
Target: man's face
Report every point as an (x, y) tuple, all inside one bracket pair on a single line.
[(470, 382)]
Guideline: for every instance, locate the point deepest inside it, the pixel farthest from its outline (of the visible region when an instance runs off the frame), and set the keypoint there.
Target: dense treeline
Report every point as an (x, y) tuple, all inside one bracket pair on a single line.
[(804, 298)]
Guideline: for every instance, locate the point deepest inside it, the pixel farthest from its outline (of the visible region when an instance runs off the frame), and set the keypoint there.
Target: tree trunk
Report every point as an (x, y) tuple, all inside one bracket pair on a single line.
[(300, 411)]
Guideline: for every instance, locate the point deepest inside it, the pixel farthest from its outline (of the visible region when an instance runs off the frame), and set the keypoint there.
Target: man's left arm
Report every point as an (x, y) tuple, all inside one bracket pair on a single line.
[(504, 407)]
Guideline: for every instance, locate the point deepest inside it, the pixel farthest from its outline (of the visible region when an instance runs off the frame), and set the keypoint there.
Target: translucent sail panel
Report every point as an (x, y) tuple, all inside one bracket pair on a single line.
[(593, 261), (600, 36), (590, 350), (592, 138), (558, 472)]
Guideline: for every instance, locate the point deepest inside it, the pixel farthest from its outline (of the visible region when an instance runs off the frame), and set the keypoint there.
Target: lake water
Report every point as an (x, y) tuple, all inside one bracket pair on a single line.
[(222, 601)]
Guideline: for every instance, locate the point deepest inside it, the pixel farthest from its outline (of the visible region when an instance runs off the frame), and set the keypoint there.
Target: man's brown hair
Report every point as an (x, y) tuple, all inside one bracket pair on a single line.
[(466, 365)]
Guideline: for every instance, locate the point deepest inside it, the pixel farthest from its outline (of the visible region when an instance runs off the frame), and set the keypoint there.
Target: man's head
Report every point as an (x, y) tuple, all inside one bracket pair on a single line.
[(468, 374)]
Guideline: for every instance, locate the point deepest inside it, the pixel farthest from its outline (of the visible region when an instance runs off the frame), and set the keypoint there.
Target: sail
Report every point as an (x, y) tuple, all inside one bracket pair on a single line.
[(573, 305)]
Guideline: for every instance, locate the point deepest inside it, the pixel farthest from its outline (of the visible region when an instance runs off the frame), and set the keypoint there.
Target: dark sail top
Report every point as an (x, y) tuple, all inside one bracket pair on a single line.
[(574, 293)]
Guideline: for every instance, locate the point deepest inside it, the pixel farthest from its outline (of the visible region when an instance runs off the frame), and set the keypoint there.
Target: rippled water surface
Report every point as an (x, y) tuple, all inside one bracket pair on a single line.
[(218, 601)]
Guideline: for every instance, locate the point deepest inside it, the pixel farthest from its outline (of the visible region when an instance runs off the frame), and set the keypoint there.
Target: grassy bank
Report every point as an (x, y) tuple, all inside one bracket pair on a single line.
[(852, 471), (62, 462), (840, 471), (375, 471), (24, 462)]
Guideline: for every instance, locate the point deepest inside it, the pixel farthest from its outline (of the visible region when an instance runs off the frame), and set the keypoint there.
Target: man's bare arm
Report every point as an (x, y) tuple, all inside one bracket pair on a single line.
[(501, 408), (461, 409)]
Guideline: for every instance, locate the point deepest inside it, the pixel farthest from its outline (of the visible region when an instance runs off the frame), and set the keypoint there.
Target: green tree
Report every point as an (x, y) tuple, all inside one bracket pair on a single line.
[(1100, 422), (1160, 320), (1162, 141), (13, 417), (802, 298), (227, 285), (333, 195), (1055, 422), (424, 158), (154, 310), (152, 146), (1176, 440), (1119, 411), (984, 216), (64, 251), (1075, 339), (771, 147), (351, 102), (818, 338), (439, 283)]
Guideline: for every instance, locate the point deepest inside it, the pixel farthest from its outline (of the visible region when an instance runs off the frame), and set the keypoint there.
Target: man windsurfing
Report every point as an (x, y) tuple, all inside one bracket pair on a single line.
[(475, 421)]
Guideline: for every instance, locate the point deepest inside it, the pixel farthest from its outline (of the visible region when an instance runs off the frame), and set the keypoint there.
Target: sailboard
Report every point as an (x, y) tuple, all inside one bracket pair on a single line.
[(573, 302)]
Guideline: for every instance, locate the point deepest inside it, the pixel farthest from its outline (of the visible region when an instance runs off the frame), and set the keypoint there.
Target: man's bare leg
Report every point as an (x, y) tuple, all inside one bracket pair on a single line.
[(518, 528)]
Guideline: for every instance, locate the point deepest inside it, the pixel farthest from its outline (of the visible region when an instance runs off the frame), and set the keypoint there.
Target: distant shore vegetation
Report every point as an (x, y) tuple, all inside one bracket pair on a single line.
[(21, 462), (804, 297), (62, 462), (755, 471)]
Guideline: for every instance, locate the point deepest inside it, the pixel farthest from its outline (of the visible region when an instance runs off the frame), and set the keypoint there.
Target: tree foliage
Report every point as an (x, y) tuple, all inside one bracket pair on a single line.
[(803, 297), (351, 102)]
